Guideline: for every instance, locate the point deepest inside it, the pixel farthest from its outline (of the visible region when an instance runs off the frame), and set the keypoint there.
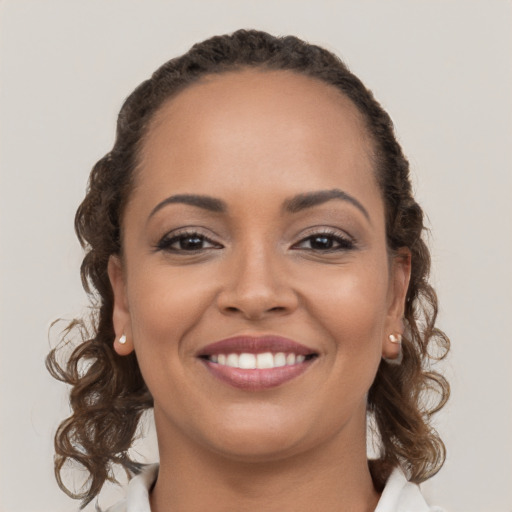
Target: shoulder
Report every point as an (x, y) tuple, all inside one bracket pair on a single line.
[(399, 495), (137, 495)]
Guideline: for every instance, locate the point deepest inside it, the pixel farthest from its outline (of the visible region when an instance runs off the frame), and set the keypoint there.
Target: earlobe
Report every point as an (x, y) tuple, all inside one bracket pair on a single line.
[(122, 343), (399, 284), (392, 349)]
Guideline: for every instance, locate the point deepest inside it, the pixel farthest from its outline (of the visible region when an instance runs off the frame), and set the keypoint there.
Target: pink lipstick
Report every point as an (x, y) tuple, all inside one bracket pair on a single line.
[(256, 363)]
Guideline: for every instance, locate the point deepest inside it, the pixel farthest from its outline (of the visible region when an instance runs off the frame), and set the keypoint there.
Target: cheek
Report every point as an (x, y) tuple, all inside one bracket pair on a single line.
[(352, 306), (165, 305)]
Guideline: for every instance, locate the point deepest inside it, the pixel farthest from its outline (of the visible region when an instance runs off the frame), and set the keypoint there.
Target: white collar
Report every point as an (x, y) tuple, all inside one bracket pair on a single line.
[(398, 495)]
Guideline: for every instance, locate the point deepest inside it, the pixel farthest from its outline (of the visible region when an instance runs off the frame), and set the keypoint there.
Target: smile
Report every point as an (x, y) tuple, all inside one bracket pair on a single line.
[(256, 363)]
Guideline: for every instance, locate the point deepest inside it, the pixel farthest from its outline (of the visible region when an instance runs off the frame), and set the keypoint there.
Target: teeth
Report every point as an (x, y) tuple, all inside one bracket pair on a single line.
[(232, 360), (279, 359), (265, 360), (247, 361), (290, 359), (262, 361)]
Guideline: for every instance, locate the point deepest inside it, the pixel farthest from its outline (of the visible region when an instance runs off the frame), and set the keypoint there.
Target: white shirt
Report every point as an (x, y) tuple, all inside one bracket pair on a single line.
[(398, 495)]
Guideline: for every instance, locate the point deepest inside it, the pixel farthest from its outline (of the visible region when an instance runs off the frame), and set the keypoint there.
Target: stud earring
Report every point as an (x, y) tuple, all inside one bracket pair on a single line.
[(395, 338), (122, 339)]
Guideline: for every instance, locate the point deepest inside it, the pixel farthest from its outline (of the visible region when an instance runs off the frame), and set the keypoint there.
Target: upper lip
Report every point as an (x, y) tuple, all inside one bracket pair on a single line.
[(254, 345)]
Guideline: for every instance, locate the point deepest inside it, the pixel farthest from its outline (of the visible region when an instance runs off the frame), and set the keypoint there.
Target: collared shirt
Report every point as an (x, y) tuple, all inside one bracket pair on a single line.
[(398, 495)]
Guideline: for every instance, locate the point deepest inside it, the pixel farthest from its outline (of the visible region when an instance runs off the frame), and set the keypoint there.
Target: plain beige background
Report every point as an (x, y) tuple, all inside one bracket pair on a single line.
[(442, 68)]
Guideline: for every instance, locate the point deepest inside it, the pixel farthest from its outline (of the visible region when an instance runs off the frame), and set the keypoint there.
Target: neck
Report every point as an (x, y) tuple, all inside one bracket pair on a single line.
[(331, 477)]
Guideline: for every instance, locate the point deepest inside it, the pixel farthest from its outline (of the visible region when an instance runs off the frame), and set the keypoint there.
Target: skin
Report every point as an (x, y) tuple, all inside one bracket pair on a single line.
[(254, 140)]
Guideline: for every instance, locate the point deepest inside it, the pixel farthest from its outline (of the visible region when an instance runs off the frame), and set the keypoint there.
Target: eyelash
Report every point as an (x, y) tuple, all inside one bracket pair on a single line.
[(344, 243), (166, 243)]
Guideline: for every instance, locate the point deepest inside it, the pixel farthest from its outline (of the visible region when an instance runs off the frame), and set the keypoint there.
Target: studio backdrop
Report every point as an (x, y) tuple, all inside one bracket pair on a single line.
[(443, 69)]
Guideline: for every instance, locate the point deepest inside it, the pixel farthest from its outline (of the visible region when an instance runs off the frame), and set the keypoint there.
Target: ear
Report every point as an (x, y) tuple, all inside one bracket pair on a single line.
[(400, 275), (121, 313)]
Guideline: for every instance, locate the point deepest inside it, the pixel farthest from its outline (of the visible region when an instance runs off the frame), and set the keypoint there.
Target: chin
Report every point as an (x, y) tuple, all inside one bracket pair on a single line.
[(257, 441), (261, 449)]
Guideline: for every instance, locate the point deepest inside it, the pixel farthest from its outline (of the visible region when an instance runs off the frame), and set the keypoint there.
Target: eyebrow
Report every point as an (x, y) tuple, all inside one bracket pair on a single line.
[(209, 203), (293, 205), (310, 199)]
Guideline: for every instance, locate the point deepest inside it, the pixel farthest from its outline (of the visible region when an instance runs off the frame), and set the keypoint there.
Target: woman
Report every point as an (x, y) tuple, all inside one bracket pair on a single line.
[(261, 283)]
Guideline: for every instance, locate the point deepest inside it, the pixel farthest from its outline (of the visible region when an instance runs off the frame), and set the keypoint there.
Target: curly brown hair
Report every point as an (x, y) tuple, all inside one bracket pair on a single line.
[(108, 394)]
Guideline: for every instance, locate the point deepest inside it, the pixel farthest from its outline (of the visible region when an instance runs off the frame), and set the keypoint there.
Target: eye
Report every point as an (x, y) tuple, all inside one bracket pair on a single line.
[(186, 242), (325, 242)]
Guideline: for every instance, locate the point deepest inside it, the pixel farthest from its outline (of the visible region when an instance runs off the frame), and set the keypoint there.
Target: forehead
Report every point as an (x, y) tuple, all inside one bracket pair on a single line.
[(279, 90), (257, 124)]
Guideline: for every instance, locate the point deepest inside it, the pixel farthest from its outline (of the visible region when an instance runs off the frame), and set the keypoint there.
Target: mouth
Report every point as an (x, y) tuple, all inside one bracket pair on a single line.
[(262, 361), (256, 363)]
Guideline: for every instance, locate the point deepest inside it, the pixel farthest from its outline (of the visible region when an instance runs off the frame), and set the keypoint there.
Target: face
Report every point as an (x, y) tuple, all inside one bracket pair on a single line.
[(255, 285)]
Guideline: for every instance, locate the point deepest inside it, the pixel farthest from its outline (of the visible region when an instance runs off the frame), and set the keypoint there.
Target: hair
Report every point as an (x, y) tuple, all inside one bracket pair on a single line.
[(108, 394)]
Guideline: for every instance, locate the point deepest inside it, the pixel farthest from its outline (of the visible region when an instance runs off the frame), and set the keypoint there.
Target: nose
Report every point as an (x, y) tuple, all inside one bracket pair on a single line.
[(256, 286)]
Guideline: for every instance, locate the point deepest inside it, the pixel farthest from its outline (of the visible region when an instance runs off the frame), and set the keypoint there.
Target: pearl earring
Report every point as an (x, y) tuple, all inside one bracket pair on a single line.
[(122, 339), (395, 338)]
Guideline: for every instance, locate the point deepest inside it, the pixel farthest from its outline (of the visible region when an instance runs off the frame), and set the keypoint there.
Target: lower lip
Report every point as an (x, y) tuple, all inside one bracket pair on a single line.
[(256, 380)]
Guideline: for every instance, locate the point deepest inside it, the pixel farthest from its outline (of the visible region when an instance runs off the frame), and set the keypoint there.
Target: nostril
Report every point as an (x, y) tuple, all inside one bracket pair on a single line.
[(254, 303)]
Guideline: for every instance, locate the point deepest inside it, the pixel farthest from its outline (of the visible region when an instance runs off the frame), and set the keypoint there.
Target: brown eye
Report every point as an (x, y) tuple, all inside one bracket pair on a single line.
[(186, 242), (190, 243), (322, 242), (325, 242)]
